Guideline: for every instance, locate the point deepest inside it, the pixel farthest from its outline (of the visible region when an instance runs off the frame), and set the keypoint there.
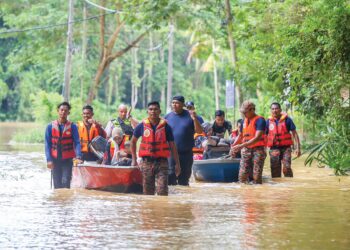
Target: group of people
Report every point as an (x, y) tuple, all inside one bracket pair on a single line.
[(278, 133), (167, 146)]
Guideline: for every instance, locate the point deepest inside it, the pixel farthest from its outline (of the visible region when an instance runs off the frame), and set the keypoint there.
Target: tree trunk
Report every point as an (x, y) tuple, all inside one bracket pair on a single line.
[(114, 79), (150, 72), (109, 57), (102, 30), (170, 68), (143, 87), (232, 44), (239, 94), (216, 84), (259, 94), (229, 33), (83, 52), (69, 50), (134, 78), (162, 97), (106, 81), (197, 74)]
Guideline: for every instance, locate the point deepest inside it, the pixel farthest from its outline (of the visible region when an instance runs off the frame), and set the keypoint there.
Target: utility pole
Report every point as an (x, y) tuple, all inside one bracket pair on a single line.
[(69, 50), (216, 84), (233, 54), (170, 67), (83, 52)]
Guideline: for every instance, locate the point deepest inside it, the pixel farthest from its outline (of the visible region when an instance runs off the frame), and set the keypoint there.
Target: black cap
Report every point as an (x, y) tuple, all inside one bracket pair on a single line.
[(219, 113), (179, 98), (189, 103)]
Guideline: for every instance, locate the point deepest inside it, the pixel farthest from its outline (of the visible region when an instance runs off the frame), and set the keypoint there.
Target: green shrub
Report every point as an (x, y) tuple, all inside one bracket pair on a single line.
[(35, 135), (333, 150)]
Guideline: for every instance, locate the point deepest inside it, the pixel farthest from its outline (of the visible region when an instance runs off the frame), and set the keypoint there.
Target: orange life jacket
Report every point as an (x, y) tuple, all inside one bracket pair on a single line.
[(249, 131), (198, 150), (121, 146), (278, 135), (63, 141), (154, 143), (86, 136)]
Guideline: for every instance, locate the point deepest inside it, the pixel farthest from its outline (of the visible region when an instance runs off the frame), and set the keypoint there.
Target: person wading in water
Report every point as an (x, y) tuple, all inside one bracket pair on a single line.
[(156, 145), (251, 143), (280, 133), (184, 124), (62, 144)]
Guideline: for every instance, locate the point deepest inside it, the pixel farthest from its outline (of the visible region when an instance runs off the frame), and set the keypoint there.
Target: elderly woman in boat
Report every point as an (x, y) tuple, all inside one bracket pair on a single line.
[(116, 149)]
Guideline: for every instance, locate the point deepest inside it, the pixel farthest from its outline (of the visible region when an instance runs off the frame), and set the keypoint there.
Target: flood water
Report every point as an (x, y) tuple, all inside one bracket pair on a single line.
[(310, 211)]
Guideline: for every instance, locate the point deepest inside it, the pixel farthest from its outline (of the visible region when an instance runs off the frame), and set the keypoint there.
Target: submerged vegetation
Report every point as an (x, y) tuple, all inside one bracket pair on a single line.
[(296, 52)]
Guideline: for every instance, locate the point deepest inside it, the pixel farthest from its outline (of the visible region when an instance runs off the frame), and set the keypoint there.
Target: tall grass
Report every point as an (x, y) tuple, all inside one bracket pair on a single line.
[(34, 135)]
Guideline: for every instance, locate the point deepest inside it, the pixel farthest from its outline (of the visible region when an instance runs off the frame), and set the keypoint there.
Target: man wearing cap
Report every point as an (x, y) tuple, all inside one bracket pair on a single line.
[(220, 125), (190, 106), (184, 124), (251, 143)]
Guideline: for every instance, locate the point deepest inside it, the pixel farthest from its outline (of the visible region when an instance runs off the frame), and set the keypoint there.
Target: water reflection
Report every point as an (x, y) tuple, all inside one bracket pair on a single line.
[(307, 212)]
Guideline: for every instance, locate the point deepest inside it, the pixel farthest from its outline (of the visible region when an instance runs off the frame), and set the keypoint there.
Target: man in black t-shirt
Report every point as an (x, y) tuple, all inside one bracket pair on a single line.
[(220, 125)]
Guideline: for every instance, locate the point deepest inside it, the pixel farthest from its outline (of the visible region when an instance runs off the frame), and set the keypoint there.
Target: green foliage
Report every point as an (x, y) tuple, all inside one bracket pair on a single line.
[(3, 90), (333, 151), (45, 106), (35, 135)]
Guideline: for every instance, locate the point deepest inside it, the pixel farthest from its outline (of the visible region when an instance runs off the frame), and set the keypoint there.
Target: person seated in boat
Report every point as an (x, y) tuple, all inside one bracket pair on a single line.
[(124, 121), (88, 129), (236, 131), (221, 126), (200, 141), (157, 144), (114, 145), (125, 156), (235, 134)]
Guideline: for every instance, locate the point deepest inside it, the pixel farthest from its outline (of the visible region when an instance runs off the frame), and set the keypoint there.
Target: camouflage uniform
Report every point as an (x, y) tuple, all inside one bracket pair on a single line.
[(154, 173), (279, 156), (252, 164)]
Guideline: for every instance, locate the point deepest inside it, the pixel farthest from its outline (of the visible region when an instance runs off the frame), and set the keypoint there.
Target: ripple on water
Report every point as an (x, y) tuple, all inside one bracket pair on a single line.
[(304, 212)]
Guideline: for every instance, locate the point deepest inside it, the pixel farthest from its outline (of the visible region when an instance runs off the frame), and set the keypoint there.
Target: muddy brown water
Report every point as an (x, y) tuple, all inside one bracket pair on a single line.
[(310, 211)]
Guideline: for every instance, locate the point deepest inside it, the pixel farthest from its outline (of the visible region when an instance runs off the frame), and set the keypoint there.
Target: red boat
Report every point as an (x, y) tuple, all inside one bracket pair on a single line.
[(121, 179)]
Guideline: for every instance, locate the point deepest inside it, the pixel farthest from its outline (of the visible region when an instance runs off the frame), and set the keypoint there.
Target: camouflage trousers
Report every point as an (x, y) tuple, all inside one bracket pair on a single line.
[(278, 157), (155, 176), (252, 164)]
